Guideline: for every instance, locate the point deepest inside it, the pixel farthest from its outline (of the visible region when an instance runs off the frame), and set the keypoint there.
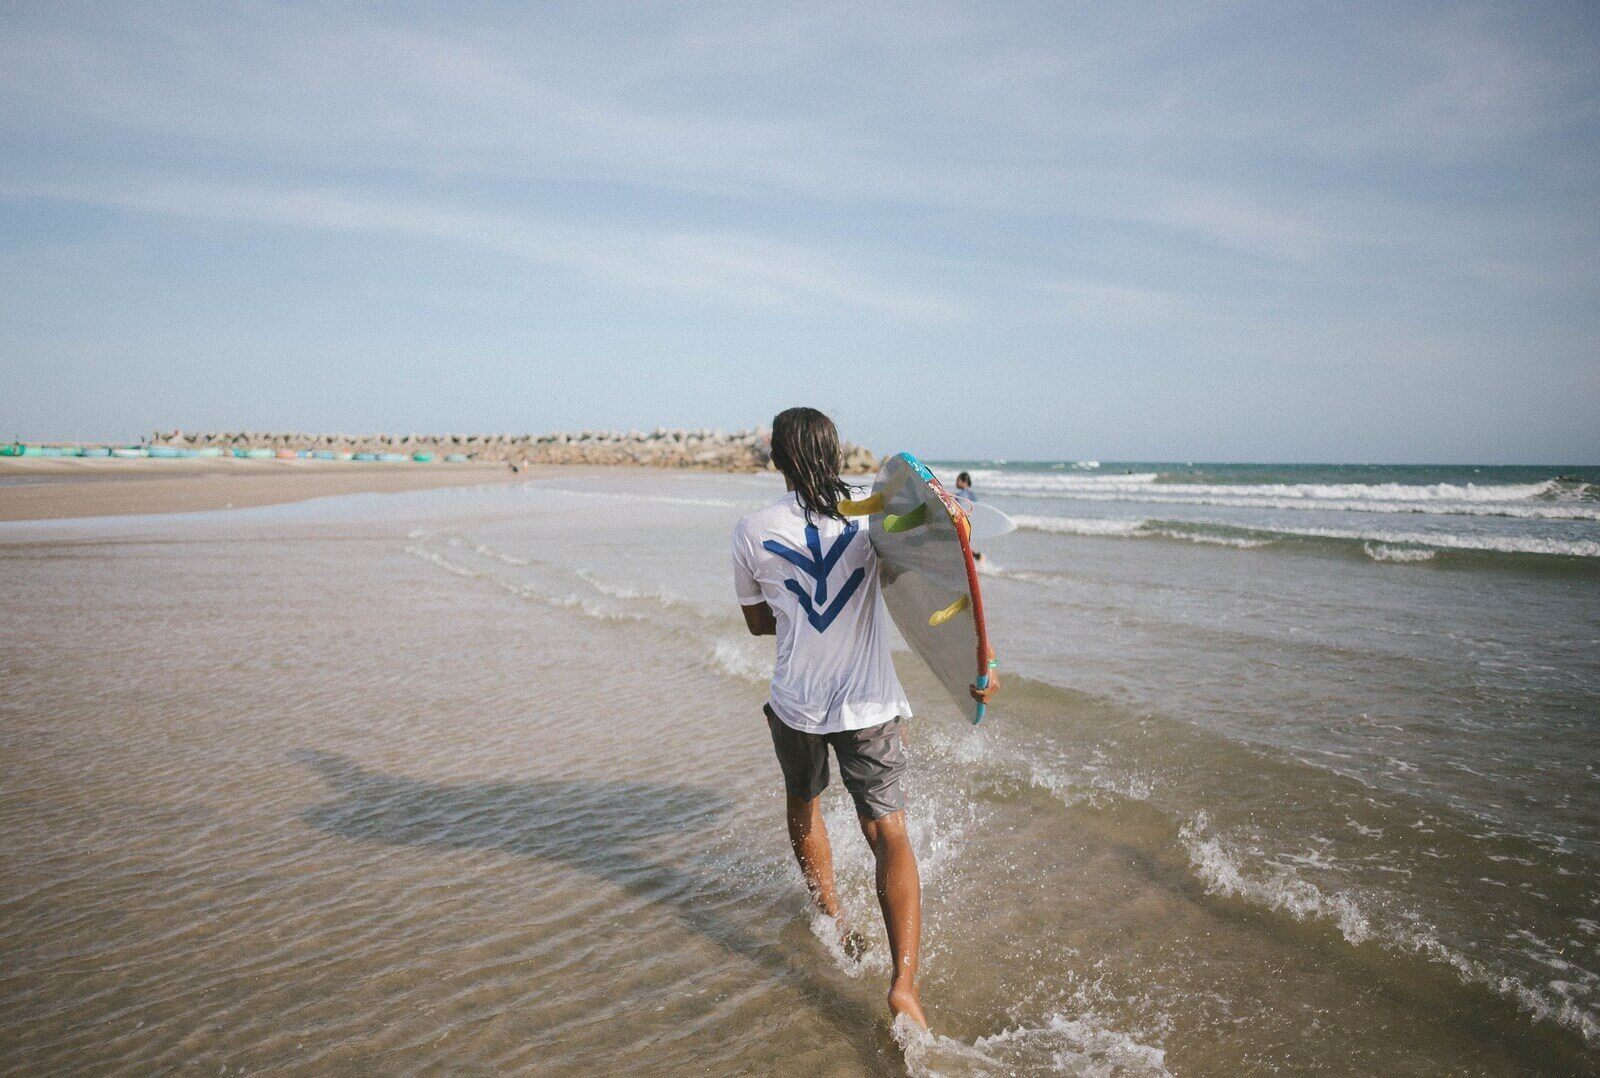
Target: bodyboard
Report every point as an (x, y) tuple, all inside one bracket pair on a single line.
[(929, 581), (985, 520)]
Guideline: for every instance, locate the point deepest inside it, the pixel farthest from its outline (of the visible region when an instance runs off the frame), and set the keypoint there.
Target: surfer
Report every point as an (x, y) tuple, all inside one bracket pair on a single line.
[(808, 576), (965, 493)]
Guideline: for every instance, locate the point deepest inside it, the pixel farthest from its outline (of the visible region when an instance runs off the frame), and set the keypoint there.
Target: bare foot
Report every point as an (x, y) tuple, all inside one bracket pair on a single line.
[(905, 1001), (854, 944)]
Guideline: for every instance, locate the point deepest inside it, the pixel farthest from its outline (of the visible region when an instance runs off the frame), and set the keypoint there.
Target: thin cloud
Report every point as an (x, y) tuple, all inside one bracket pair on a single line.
[(1098, 301), (340, 90), (1469, 88), (717, 267), (1228, 174)]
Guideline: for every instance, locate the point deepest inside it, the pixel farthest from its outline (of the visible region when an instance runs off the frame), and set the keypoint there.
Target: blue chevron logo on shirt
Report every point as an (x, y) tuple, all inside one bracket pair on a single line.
[(821, 619), (818, 565)]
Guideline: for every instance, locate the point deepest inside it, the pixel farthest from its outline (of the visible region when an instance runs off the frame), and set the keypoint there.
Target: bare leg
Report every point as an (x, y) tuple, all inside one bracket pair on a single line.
[(900, 895), (808, 836)]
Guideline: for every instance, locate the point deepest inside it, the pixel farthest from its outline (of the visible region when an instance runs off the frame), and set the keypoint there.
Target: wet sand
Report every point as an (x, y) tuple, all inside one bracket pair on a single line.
[(475, 781), (52, 489)]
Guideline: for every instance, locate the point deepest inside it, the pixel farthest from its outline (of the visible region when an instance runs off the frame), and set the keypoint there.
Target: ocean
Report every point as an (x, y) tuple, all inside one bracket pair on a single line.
[(1294, 770)]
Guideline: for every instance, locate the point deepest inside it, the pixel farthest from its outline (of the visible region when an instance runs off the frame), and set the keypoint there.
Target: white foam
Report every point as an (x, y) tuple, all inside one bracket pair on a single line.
[(1520, 500), (1384, 552), (830, 933), (1082, 1044), (617, 591), (740, 661), (1220, 867), (442, 562), (500, 555), (623, 591), (1181, 496), (1500, 544), (573, 602), (1238, 542), (1124, 527), (1090, 784), (1080, 525), (1143, 528), (1091, 781), (1142, 482), (1011, 482)]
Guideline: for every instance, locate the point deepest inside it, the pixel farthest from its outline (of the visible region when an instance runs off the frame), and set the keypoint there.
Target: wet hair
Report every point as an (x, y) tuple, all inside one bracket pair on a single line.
[(964, 478), (805, 448)]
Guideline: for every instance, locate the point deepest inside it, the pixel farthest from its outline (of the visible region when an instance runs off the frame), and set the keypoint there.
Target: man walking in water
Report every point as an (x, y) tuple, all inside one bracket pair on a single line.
[(808, 576)]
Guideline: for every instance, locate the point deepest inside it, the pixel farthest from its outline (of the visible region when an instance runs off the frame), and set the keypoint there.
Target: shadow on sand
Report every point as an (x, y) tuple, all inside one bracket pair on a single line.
[(611, 830)]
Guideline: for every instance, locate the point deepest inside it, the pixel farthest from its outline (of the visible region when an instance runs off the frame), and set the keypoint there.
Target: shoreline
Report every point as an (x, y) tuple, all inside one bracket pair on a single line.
[(73, 488), (393, 677)]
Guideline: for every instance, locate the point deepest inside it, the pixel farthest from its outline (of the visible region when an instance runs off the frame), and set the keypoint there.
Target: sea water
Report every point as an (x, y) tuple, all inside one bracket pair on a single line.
[(1294, 769)]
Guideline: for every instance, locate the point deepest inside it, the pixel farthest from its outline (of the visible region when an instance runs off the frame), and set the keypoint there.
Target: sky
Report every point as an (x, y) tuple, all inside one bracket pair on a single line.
[(1213, 231)]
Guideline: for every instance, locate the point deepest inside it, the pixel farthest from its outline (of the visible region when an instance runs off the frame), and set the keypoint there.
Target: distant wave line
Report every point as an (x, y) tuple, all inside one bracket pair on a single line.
[(1143, 482), (1250, 537), (1517, 510)]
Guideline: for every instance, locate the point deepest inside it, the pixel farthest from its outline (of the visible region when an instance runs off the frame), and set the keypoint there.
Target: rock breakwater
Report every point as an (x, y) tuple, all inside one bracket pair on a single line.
[(706, 449)]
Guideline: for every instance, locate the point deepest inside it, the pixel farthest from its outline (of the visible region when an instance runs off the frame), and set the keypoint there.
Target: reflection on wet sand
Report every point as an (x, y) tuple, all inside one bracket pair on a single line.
[(639, 836)]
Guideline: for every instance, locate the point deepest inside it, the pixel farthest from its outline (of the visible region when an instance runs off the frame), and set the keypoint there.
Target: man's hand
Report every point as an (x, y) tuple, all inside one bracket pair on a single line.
[(758, 618), (983, 695)]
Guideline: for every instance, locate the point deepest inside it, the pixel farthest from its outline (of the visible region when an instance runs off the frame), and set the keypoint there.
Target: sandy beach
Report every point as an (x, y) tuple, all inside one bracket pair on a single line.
[(50, 489), (475, 779), (436, 441)]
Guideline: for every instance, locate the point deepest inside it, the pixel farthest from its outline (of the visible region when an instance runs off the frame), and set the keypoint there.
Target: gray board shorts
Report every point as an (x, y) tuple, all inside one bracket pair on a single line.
[(871, 762)]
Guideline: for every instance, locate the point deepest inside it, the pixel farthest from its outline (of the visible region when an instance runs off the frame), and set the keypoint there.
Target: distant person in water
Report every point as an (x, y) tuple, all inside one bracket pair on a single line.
[(965, 493), (808, 576)]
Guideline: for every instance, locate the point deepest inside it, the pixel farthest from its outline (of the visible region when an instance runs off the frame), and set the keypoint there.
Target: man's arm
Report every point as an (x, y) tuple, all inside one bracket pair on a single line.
[(758, 618), (757, 614)]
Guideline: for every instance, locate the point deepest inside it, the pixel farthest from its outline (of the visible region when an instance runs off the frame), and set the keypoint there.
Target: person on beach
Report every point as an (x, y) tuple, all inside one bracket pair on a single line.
[(808, 576), (965, 493)]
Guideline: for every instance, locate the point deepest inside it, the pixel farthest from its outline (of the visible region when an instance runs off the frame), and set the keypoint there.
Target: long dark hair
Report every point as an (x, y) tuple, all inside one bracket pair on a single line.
[(805, 447)]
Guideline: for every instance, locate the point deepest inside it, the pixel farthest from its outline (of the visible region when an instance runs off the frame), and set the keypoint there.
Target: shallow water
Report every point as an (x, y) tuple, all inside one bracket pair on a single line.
[(477, 779)]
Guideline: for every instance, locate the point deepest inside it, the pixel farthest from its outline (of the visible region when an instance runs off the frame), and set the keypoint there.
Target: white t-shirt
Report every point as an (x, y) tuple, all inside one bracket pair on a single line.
[(821, 580)]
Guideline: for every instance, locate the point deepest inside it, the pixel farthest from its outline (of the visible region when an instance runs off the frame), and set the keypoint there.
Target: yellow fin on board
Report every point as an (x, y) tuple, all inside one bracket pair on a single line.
[(904, 522), (862, 506), (941, 616)]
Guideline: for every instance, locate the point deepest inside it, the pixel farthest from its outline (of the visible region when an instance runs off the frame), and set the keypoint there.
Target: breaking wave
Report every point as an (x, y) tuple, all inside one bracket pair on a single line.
[(1384, 552), (1548, 500), (1376, 544), (1221, 869)]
